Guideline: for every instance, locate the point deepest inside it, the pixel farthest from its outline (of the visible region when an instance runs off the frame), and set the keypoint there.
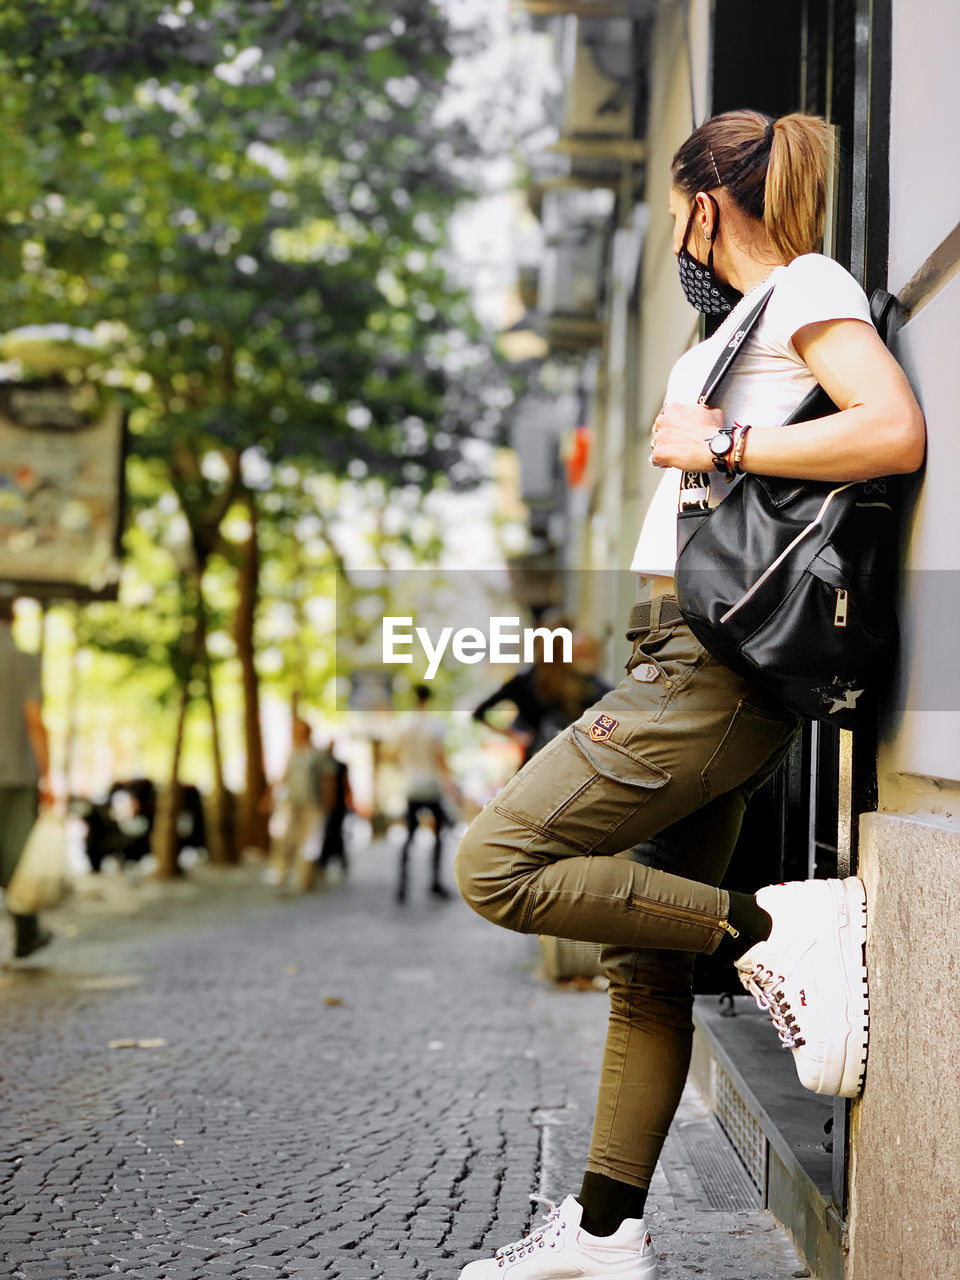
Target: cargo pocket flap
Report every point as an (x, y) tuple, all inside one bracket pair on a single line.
[(618, 764)]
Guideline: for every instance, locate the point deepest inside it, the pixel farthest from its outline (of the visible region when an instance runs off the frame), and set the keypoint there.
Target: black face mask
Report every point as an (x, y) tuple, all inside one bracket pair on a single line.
[(700, 284)]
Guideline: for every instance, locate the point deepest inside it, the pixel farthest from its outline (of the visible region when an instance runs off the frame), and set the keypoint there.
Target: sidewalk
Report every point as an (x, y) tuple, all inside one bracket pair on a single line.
[(326, 1086)]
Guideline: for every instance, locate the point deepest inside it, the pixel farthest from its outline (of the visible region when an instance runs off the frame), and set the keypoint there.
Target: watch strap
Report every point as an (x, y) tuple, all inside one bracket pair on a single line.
[(722, 460)]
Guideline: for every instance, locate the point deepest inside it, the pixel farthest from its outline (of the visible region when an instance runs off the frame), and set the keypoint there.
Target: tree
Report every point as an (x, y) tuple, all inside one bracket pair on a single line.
[(249, 199)]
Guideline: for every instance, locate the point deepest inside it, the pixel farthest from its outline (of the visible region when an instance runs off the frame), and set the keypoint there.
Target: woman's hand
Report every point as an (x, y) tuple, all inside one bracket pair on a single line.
[(680, 435)]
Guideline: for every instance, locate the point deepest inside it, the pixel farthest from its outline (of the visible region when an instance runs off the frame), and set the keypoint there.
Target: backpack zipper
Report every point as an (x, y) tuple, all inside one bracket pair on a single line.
[(771, 568)]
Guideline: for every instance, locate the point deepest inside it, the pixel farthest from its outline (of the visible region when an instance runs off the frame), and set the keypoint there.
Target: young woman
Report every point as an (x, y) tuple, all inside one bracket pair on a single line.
[(620, 830)]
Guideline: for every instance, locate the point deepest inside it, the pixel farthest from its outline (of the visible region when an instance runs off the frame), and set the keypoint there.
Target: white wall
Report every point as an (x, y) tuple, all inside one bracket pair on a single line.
[(919, 760), (905, 1172), (924, 145), (923, 737)]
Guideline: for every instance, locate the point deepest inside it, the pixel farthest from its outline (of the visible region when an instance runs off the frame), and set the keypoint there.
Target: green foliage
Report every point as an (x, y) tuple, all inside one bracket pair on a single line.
[(246, 200), (251, 197)]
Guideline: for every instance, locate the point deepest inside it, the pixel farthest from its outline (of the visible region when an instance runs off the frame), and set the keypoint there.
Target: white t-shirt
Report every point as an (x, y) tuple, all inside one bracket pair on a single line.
[(420, 751), (766, 384)]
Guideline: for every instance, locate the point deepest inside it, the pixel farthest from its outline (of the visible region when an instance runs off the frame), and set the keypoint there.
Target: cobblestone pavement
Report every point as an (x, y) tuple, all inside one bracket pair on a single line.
[(327, 1086)]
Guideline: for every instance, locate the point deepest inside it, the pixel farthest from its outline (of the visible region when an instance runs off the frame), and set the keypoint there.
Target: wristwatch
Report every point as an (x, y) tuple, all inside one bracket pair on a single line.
[(720, 446)]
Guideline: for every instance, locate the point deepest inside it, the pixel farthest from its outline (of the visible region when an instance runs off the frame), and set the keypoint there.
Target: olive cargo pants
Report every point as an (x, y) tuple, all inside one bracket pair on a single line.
[(619, 832)]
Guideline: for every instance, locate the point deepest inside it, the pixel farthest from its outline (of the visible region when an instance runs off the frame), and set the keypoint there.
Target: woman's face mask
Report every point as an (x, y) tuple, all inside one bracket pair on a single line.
[(700, 284)]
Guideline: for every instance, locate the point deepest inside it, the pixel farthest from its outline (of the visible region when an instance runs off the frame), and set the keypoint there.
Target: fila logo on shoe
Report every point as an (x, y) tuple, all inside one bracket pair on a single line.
[(817, 937)]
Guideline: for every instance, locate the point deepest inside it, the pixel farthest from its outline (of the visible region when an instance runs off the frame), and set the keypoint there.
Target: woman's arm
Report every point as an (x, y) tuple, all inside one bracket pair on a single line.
[(40, 747), (879, 430)]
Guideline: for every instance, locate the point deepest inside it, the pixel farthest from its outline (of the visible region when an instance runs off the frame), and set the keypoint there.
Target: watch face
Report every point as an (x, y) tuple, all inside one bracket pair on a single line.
[(720, 444)]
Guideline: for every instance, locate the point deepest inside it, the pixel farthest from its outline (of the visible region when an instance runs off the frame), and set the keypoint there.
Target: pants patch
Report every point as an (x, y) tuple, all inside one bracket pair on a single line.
[(602, 728)]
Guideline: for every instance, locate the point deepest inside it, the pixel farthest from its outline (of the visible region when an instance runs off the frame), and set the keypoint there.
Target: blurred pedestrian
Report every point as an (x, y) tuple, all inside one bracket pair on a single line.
[(549, 694), (24, 767), (426, 774), (571, 687), (337, 802), (531, 692), (303, 786)]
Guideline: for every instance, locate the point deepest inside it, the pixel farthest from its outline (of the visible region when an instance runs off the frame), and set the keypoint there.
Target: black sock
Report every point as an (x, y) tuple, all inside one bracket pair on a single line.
[(751, 921), (607, 1202)]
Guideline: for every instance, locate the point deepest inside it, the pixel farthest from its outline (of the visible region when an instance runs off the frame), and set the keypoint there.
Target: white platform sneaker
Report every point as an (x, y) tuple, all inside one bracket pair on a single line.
[(560, 1249), (810, 977)]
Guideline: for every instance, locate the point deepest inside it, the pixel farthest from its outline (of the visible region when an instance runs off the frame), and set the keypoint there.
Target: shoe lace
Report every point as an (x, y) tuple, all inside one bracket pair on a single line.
[(537, 1239), (767, 989)]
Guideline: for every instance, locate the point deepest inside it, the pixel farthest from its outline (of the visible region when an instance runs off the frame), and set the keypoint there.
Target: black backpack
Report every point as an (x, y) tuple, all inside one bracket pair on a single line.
[(791, 583)]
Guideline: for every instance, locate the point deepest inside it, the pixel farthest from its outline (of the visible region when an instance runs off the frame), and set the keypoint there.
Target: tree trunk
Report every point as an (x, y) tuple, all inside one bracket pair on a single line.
[(165, 841), (205, 517), (299, 657), (255, 820), (222, 846)]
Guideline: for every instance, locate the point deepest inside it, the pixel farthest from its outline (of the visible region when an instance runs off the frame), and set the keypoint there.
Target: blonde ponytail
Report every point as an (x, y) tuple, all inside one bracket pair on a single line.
[(795, 190), (775, 171)]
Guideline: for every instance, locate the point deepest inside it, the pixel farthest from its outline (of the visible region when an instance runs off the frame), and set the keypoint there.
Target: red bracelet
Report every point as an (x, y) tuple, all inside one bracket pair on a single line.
[(740, 439)]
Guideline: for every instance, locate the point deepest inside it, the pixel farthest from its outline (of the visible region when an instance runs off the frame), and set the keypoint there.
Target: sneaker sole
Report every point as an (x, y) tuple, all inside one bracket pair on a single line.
[(850, 903), (644, 1269)]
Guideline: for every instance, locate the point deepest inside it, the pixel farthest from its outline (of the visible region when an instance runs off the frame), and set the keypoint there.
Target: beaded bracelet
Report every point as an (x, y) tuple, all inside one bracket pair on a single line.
[(740, 439)]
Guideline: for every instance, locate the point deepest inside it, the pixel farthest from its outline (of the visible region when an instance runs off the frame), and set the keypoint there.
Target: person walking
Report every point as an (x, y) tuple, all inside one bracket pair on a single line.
[(305, 786), (549, 694), (426, 775), (671, 756), (24, 767), (337, 802), (534, 692)]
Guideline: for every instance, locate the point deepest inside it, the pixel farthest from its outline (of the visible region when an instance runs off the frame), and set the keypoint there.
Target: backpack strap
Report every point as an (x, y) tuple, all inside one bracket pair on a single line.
[(729, 353), (695, 485), (886, 314)]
